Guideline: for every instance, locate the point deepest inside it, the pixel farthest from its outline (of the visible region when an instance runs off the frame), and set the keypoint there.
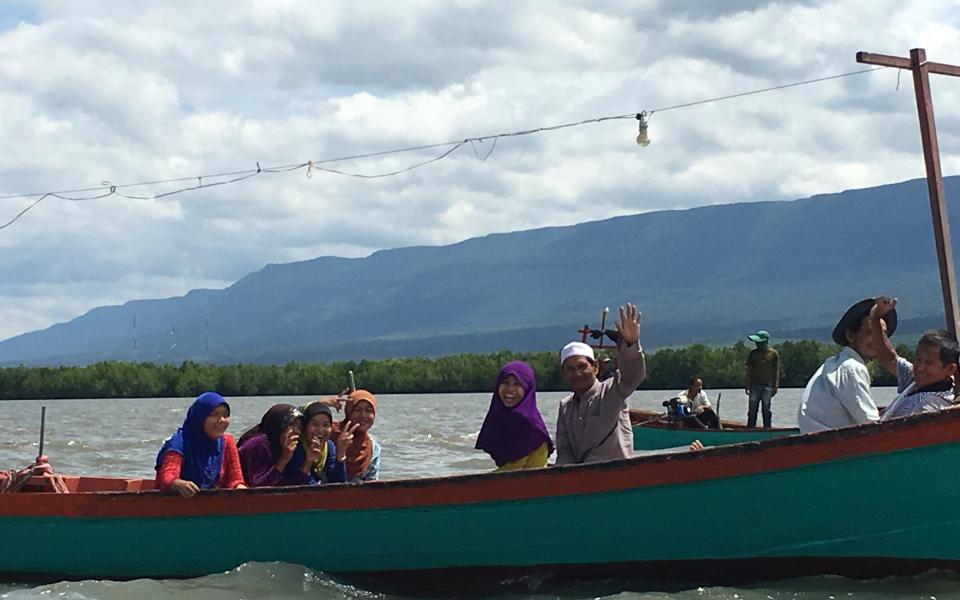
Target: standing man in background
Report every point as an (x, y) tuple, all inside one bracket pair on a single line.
[(763, 378)]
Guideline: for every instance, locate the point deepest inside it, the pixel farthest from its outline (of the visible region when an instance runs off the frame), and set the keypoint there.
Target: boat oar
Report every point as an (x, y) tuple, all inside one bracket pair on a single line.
[(719, 422), (43, 426), (651, 420)]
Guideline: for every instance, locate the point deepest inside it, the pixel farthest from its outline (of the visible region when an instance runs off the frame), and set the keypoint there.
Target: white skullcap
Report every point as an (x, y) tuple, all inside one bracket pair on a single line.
[(576, 349)]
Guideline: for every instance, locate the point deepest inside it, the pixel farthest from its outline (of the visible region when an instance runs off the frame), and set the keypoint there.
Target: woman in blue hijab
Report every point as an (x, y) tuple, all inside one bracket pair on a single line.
[(200, 455), (513, 433)]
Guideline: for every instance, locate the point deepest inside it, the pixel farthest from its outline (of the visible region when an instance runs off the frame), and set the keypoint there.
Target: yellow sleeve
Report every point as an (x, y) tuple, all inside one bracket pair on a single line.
[(535, 460)]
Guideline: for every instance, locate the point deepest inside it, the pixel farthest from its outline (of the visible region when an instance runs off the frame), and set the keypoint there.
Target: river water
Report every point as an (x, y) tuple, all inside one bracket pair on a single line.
[(421, 435)]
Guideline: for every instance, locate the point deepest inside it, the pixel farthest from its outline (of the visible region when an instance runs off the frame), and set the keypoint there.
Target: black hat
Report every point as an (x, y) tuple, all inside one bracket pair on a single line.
[(855, 314)]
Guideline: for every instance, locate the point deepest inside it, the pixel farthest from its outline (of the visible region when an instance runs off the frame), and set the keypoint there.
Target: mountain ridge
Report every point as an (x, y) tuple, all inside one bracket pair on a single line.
[(709, 273)]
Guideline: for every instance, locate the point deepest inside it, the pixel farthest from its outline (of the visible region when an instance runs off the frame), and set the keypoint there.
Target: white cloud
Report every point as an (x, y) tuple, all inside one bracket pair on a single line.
[(95, 91)]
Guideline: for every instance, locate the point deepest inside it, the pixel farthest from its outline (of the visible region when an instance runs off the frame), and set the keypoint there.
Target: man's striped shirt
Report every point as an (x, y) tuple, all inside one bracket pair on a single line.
[(912, 402)]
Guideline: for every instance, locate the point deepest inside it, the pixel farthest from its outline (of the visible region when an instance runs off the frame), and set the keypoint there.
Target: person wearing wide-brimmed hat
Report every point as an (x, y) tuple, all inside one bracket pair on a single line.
[(838, 394), (763, 378)]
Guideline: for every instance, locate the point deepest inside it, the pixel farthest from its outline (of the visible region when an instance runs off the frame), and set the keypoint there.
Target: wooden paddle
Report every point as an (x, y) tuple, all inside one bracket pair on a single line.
[(651, 420)]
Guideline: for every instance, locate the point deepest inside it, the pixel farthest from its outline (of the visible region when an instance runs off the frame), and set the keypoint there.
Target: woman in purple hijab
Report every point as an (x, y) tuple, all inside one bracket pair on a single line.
[(513, 433)]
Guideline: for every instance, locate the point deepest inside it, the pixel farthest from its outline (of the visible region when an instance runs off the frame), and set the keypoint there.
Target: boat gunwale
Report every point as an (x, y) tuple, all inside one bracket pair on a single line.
[(601, 477), (729, 425)]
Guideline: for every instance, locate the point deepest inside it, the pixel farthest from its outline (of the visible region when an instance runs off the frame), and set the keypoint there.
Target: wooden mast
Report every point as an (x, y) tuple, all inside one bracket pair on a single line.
[(921, 68)]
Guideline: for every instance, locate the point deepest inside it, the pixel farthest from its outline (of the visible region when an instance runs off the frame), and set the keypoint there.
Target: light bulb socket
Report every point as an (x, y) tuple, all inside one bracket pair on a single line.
[(643, 138)]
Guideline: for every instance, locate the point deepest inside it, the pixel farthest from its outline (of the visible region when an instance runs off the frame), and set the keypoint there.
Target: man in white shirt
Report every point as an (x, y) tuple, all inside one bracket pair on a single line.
[(838, 394), (698, 405)]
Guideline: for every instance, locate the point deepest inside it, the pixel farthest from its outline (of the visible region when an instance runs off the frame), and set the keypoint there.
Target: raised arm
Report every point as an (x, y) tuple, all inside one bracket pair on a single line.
[(886, 354), (336, 468), (632, 366)]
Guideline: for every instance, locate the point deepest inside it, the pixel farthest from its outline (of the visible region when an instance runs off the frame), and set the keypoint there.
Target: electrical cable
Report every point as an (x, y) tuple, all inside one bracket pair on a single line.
[(311, 165)]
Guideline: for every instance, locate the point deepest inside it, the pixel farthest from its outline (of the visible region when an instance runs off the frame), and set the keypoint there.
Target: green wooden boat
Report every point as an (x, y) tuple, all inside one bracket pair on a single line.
[(654, 431), (788, 506)]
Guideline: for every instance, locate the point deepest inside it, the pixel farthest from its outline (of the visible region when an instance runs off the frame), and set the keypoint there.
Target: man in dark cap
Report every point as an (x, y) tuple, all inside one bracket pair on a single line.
[(838, 394), (763, 378)]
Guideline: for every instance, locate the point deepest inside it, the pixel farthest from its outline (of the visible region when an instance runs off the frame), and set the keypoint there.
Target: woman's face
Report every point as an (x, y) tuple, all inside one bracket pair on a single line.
[(362, 414), (216, 423), (319, 427), (510, 391), (295, 427)]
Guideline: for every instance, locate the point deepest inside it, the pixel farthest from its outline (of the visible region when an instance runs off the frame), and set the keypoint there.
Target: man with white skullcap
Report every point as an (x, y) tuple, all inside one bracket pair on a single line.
[(594, 421)]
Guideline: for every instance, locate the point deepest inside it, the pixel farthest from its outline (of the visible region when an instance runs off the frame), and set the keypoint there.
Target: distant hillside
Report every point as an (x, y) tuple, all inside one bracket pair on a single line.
[(705, 274)]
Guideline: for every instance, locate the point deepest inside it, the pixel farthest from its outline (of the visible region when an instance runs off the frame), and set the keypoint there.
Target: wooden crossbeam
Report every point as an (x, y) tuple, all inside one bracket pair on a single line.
[(885, 60)]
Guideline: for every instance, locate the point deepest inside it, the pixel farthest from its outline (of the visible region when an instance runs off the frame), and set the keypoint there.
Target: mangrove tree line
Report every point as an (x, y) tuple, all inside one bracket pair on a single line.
[(668, 369)]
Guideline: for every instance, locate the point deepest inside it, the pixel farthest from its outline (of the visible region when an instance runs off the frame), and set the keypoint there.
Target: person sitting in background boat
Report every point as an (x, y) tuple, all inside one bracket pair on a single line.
[(200, 455), (362, 451), (698, 409), (925, 385), (329, 466), (513, 432), (267, 450), (838, 394), (593, 423)]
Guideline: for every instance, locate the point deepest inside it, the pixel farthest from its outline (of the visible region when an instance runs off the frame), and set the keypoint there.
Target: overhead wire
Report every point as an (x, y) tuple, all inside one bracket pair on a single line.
[(769, 89), (311, 165)]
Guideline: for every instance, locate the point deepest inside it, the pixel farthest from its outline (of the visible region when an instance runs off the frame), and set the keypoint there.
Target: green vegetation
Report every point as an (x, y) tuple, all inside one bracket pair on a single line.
[(669, 368)]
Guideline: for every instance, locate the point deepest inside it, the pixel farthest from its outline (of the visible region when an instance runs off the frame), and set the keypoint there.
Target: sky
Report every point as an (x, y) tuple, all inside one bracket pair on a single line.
[(94, 93)]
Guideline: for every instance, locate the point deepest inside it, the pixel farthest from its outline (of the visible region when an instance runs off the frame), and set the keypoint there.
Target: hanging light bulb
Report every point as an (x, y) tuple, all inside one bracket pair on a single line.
[(642, 138)]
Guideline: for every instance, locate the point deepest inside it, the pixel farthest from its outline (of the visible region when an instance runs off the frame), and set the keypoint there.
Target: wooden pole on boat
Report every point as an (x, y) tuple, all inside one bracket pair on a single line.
[(43, 427), (584, 333), (921, 68), (603, 323), (719, 422)]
